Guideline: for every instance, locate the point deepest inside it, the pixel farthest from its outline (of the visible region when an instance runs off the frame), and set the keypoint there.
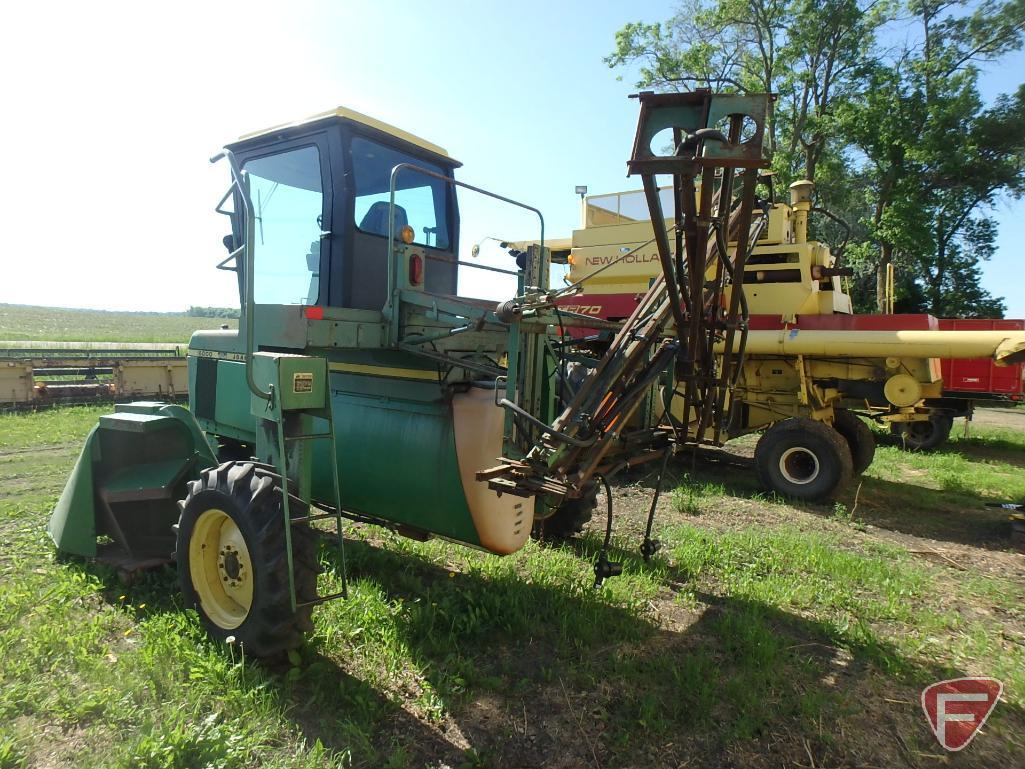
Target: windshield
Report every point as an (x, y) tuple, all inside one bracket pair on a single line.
[(420, 201), (625, 207)]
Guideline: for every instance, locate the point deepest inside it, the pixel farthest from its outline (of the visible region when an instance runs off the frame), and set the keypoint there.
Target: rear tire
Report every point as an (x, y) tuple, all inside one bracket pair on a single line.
[(233, 564), (923, 435), (570, 518), (804, 459), (859, 436)]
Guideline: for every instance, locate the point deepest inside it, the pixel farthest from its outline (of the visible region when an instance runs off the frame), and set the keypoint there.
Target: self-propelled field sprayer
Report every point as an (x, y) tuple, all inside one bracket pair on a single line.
[(361, 386)]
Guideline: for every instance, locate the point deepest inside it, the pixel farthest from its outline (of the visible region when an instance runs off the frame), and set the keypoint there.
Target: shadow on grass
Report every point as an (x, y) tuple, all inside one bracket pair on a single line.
[(977, 447), (326, 702), (544, 674), (736, 474), (949, 515), (953, 514), (529, 670)]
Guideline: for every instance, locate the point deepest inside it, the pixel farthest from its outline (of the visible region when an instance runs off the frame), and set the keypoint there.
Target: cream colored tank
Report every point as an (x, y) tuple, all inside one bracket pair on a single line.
[(503, 522)]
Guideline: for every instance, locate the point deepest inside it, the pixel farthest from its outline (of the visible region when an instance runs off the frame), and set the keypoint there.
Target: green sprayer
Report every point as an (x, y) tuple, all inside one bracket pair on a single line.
[(360, 386)]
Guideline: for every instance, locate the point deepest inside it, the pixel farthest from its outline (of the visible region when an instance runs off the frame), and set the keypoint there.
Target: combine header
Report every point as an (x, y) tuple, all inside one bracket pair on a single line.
[(34, 374), (361, 386)]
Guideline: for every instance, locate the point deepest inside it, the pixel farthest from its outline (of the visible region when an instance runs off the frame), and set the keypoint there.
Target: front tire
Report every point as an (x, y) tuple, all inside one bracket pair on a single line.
[(232, 560), (923, 435), (859, 436), (804, 459)]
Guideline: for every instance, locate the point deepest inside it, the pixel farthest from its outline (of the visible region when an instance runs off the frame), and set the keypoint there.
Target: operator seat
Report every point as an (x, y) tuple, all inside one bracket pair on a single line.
[(365, 281), (375, 220)]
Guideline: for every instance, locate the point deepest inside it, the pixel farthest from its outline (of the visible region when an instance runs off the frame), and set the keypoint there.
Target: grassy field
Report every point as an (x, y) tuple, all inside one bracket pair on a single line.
[(60, 324), (763, 634)]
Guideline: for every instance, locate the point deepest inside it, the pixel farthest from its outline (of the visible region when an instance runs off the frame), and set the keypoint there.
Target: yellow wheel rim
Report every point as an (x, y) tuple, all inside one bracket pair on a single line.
[(221, 569)]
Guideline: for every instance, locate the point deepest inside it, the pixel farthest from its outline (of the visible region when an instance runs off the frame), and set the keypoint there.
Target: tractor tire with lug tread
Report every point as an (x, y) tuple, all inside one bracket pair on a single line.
[(804, 459), (569, 519), (923, 435), (859, 436), (232, 560)]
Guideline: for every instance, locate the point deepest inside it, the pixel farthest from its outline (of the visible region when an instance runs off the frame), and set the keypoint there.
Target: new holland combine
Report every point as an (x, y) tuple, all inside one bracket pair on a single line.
[(809, 365)]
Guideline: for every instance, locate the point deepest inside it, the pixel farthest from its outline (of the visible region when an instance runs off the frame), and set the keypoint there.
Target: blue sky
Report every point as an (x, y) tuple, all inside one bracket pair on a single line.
[(116, 107)]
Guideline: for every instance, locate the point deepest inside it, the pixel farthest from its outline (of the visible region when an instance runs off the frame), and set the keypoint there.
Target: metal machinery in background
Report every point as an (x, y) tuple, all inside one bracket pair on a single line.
[(808, 363), (967, 382), (361, 386), (36, 374), (688, 309)]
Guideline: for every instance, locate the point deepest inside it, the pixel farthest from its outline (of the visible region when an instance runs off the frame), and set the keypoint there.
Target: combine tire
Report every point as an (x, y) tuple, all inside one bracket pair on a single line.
[(804, 459), (860, 439), (569, 519), (924, 435), (232, 564)]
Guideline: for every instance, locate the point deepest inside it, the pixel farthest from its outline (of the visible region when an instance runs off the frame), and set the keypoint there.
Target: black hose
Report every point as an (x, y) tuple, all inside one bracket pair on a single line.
[(721, 245), (506, 403), (650, 546)]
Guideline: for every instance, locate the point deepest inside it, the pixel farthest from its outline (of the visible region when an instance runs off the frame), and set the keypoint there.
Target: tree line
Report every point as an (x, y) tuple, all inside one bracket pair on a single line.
[(879, 105), (213, 312)]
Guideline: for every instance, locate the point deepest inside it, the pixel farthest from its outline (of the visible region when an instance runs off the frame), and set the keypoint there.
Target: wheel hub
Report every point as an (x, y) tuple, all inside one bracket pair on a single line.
[(231, 566), (221, 569), (799, 465)]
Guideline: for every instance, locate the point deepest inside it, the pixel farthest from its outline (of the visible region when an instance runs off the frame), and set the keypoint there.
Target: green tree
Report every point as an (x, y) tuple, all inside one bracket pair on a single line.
[(813, 53), (898, 141), (934, 159)]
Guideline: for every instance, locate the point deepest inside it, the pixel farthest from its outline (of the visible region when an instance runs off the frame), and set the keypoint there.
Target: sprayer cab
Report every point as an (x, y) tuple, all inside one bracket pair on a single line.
[(324, 208)]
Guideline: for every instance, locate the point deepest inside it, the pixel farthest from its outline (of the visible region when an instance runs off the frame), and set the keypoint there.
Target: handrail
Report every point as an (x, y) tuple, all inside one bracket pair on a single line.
[(247, 266), (393, 288)]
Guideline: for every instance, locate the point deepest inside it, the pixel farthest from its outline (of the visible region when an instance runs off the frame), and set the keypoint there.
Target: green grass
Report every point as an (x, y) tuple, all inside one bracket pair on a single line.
[(983, 464), (59, 324), (741, 643), (690, 495), (49, 426)]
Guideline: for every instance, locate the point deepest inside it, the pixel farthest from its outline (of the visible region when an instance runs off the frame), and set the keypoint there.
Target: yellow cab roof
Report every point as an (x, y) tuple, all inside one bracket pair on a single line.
[(344, 113)]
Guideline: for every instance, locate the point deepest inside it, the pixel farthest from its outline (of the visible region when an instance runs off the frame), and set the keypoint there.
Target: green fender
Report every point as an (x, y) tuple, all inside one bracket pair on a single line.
[(127, 480), (73, 522)]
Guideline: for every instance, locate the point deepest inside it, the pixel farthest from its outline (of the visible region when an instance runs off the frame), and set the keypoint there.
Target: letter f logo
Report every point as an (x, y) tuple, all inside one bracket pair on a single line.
[(956, 709)]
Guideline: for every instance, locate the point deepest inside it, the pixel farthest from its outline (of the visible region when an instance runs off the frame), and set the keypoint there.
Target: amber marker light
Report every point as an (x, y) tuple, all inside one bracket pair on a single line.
[(407, 234)]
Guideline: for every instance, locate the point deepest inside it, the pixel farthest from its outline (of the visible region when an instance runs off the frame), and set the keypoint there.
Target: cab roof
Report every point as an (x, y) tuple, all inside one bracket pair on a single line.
[(344, 113)]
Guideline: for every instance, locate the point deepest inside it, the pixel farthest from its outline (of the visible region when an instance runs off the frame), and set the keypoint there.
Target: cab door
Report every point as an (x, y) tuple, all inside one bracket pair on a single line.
[(291, 193)]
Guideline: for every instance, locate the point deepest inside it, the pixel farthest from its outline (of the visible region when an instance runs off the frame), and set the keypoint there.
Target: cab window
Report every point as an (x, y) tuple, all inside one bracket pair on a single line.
[(288, 207), (420, 201)]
